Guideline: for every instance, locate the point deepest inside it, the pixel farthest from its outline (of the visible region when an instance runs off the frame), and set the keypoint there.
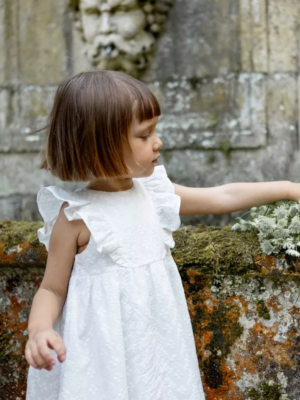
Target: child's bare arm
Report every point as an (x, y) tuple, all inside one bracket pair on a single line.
[(50, 297), (233, 196)]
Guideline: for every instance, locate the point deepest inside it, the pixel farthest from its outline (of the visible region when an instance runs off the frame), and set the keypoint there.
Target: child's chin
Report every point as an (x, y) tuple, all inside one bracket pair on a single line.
[(148, 172)]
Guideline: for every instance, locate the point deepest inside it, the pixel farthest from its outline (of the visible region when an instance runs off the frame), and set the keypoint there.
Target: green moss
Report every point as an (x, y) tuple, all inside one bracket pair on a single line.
[(209, 250), (211, 159), (213, 120), (236, 68), (262, 310), (11, 358), (254, 395), (219, 323), (266, 392), (194, 82), (216, 251), (223, 323), (225, 146), (13, 233)]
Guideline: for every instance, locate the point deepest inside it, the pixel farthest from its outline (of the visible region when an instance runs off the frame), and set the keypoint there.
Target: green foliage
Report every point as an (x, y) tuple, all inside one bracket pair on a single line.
[(277, 225)]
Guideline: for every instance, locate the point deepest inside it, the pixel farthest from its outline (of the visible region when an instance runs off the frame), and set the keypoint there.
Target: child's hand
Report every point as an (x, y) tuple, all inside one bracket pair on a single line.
[(37, 351)]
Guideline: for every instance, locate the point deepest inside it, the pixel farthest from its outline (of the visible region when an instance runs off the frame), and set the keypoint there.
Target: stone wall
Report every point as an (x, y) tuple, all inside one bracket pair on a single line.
[(244, 307), (225, 71)]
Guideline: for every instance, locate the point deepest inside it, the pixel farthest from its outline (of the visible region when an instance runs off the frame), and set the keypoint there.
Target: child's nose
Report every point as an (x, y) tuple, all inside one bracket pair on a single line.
[(158, 144)]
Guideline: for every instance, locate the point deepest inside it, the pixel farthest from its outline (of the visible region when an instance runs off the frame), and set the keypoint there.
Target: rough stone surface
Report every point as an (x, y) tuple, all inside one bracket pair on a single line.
[(42, 42), (283, 32), (225, 71), (254, 36), (21, 175), (244, 307)]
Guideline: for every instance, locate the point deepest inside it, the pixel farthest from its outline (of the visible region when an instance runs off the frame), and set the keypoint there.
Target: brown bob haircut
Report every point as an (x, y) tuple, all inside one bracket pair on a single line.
[(88, 127)]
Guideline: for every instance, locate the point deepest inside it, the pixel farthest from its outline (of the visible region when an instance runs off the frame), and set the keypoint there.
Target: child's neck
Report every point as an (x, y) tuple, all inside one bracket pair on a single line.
[(110, 184)]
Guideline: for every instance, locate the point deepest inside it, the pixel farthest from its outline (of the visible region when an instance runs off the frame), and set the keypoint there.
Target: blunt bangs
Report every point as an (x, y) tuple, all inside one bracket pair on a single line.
[(88, 128), (146, 105)]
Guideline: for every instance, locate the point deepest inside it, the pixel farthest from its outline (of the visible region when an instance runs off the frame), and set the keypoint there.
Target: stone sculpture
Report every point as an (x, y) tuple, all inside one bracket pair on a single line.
[(120, 34)]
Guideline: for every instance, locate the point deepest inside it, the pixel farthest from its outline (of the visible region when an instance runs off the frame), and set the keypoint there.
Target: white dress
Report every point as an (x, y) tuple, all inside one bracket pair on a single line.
[(125, 322)]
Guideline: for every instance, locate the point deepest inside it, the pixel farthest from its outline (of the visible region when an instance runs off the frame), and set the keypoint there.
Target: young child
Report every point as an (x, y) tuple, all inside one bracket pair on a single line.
[(110, 319)]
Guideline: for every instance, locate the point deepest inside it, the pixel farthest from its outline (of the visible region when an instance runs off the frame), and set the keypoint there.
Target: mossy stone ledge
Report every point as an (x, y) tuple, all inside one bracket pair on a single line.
[(244, 308)]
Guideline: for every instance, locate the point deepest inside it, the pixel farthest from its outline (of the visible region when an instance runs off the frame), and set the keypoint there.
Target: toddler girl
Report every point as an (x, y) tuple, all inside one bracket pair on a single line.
[(110, 319)]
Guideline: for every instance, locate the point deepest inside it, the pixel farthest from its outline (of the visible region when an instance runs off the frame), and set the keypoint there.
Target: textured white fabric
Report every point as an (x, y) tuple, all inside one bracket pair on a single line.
[(125, 322)]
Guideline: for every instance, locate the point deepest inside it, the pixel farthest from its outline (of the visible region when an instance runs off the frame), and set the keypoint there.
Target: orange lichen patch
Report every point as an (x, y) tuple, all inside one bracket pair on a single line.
[(274, 303), (260, 353), (282, 264), (228, 351), (217, 368), (202, 343), (228, 390), (22, 254), (244, 304), (266, 263), (216, 328), (193, 276), (12, 346), (244, 363), (262, 349), (17, 290)]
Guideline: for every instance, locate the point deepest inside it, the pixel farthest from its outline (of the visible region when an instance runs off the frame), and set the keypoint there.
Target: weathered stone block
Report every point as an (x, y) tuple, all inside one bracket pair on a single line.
[(283, 35), (214, 71), (206, 37), (42, 44), (20, 174), (19, 208), (211, 113), (79, 61), (244, 307), (163, 65), (23, 111), (254, 35), (9, 42)]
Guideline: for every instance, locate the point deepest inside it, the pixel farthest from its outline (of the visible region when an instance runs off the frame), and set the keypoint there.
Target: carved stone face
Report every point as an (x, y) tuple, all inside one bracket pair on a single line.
[(120, 34)]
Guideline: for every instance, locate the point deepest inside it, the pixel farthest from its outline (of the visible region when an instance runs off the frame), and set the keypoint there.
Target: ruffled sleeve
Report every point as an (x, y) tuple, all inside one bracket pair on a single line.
[(166, 202), (49, 201)]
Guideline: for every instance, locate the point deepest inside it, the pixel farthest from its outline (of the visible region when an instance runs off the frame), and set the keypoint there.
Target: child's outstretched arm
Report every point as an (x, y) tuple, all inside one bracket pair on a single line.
[(234, 196), (50, 297)]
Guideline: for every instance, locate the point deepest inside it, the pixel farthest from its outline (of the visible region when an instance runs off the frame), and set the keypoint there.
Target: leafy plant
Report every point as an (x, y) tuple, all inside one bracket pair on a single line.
[(277, 224)]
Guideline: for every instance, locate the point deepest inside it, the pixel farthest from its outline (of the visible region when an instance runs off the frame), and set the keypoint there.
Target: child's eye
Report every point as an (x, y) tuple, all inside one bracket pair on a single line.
[(145, 137)]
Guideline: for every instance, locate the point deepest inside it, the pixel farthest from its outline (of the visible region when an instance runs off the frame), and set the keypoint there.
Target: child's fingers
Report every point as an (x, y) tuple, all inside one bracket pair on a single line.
[(37, 358), (45, 352), (29, 358), (58, 346)]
